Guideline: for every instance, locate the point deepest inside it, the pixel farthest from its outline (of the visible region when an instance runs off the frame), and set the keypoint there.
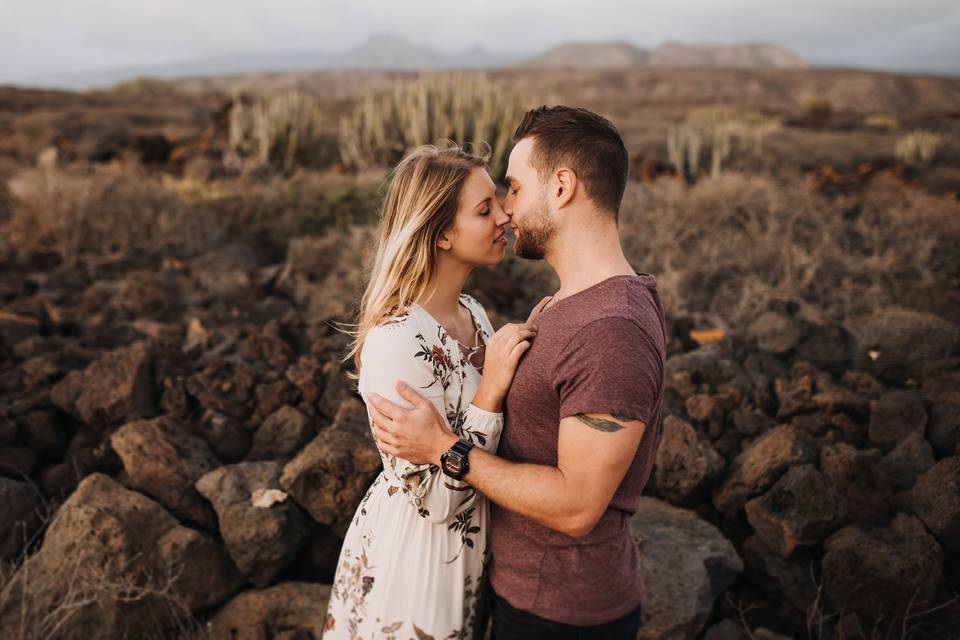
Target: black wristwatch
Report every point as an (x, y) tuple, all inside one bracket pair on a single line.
[(454, 460)]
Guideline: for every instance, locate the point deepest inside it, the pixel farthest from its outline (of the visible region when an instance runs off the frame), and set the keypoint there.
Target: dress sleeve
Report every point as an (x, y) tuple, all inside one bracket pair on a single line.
[(399, 351)]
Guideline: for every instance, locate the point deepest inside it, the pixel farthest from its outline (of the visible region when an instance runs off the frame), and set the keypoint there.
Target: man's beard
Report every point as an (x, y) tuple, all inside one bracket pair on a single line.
[(536, 232)]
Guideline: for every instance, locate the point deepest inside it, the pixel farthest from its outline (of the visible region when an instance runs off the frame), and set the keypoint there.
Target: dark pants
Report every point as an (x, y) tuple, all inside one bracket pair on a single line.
[(510, 623)]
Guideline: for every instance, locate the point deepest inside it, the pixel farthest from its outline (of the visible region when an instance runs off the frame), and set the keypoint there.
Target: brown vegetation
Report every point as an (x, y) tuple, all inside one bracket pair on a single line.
[(172, 265)]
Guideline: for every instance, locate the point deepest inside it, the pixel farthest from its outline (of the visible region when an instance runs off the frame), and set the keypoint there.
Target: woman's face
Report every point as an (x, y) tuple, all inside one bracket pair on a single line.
[(478, 234)]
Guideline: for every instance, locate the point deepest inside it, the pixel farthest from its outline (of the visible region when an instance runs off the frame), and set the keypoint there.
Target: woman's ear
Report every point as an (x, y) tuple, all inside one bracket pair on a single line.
[(445, 241)]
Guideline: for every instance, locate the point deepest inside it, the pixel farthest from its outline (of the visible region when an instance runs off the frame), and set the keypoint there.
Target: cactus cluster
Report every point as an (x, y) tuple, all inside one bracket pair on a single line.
[(468, 108), (716, 133), (279, 132), (143, 85), (917, 148)]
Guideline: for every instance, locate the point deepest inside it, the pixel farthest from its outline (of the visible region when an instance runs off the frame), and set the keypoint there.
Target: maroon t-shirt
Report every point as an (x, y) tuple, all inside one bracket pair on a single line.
[(601, 350)]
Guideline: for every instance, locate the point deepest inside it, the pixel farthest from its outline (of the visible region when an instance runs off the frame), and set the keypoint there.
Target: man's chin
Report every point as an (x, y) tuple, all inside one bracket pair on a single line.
[(527, 253)]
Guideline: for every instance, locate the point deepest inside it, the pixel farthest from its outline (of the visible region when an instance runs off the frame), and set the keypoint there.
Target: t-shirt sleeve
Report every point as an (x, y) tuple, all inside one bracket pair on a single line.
[(610, 366)]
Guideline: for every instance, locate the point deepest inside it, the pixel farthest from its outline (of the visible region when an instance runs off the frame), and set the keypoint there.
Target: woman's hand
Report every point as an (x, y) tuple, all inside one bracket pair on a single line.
[(500, 360)]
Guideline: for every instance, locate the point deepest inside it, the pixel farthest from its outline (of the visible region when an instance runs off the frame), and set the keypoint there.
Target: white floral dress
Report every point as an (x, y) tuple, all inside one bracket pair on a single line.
[(413, 560)]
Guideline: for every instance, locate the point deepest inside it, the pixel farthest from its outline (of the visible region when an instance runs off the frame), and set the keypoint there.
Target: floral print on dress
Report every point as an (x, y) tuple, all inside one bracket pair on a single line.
[(417, 533), (438, 357)]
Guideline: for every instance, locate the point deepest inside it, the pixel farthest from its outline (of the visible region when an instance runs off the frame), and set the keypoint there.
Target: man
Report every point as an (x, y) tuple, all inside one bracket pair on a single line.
[(582, 414)]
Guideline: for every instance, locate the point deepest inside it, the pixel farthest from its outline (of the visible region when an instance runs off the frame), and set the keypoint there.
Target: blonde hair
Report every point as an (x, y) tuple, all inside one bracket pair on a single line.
[(421, 202)]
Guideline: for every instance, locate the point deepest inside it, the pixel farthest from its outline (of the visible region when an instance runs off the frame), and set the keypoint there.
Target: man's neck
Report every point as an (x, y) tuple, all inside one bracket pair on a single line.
[(584, 257)]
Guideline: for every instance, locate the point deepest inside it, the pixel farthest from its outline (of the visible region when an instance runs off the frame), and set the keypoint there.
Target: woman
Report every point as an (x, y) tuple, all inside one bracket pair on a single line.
[(412, 562)]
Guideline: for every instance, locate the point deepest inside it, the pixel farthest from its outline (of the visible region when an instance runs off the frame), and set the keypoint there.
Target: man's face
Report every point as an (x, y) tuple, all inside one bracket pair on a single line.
[(527, 204)]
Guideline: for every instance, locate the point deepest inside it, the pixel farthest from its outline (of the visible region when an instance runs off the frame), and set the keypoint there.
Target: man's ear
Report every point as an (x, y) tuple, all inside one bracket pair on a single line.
[(566, 186)]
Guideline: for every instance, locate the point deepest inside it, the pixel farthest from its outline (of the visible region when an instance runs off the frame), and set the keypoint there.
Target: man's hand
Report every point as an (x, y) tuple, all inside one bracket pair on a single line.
[(419, 435)]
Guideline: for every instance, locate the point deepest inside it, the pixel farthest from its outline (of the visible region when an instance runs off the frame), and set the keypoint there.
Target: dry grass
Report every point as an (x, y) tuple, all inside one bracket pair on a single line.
[(25, 593), (823, 624), (730, 244), (72, 213), (87, 589)]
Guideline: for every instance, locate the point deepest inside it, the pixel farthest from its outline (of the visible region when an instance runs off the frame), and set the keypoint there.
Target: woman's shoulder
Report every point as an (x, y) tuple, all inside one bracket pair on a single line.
[(395, 326), (466, 298), (397, 345), (473, 304), (477, 308)]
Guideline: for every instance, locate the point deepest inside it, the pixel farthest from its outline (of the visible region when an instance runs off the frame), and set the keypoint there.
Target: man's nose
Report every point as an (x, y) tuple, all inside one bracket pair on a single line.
[(504, 204)]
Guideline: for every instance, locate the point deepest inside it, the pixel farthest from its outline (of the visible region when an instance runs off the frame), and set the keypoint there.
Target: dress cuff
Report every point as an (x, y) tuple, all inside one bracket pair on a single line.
[(484, 413)]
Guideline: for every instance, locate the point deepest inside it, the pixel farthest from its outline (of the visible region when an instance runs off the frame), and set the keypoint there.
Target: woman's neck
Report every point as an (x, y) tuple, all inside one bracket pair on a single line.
[(442, 297)]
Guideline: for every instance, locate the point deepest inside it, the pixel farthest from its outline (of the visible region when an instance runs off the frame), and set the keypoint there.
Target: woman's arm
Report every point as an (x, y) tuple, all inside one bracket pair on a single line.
[(399, 352)]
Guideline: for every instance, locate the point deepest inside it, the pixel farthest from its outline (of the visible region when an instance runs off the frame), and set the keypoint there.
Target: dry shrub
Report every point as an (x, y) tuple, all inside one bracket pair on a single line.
[(267, 215), (730, 244), (105, 590), (25, 593), (75, 212)]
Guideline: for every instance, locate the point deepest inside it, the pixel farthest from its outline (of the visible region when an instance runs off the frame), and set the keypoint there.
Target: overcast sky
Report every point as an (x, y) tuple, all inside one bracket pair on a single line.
[(40, 37)]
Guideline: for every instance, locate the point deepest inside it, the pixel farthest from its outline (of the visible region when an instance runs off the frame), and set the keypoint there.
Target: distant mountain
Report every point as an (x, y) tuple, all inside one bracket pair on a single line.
[(748, 55), (386, 51), (589, 55), (389, 51), (379, 51), (595, 55)]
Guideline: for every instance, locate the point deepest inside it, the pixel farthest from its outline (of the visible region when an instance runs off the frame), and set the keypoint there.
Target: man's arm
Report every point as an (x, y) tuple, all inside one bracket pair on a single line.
[(594, 452)]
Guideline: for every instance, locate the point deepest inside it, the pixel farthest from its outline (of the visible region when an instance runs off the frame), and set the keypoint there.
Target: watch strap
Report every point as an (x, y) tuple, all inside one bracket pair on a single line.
[(462, 447)]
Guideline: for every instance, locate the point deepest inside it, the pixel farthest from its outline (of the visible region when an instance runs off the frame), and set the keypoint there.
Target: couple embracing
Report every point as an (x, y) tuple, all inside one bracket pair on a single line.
[(512, 459)]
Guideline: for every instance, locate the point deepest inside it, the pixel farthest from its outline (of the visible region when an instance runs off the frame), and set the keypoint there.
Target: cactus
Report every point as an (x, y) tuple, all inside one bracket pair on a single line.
[(467, 108), (143, 85), (817, 111), (917, 148), (881, 121), (718, 132), (282, 131)]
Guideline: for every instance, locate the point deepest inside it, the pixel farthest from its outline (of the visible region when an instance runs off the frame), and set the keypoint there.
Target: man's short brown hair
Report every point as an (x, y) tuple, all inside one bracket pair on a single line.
[(584, 141)]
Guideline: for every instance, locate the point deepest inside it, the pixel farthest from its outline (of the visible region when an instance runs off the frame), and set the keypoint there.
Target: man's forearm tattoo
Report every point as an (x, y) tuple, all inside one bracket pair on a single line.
[(602, 424)]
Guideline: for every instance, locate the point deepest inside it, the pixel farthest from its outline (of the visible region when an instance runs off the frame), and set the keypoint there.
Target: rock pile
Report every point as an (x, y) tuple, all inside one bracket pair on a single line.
[(203, 452)]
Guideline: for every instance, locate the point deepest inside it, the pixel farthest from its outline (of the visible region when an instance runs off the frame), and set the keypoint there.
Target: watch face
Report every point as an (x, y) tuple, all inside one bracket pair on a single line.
[(454, 465)]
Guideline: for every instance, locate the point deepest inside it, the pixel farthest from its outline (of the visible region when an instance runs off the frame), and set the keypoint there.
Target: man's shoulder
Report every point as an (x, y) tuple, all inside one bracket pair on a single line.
[(620, 302), (625, 318)]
